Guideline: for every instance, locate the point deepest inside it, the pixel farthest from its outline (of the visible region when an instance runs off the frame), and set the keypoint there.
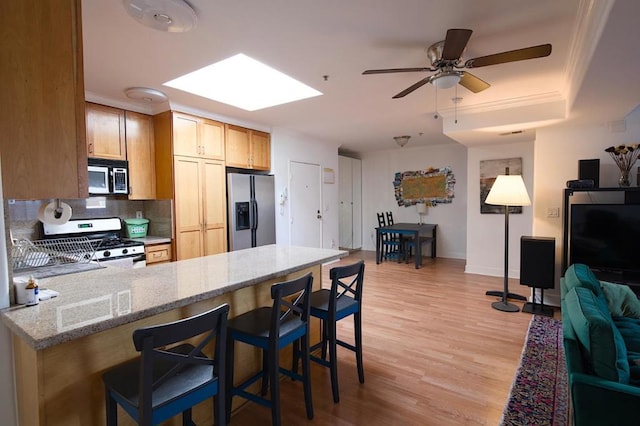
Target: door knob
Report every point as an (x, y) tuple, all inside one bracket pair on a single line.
[(319, 216)]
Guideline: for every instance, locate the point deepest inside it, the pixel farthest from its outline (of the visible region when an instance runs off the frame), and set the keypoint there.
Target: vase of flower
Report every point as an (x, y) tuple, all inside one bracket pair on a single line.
[(625, 156), (624, 179)]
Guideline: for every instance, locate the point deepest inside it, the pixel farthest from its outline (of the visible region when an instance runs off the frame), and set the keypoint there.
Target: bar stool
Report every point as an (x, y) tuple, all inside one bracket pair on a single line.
[(343, 299), (163, 382), (271, 329)]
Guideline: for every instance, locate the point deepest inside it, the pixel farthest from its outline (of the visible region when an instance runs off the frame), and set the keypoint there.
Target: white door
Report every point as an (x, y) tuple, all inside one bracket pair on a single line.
[(345, 193), (306, 204)]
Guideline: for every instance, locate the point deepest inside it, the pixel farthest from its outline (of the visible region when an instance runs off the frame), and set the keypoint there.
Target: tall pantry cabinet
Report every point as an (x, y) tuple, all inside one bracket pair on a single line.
[(190, 169), (350, 195)]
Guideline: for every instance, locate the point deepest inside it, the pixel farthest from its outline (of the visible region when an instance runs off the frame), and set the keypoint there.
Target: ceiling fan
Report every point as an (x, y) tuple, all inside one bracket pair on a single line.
[(445, 62)]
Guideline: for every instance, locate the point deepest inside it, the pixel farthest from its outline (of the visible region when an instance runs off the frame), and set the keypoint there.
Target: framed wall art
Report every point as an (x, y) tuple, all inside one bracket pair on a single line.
[(430, 186), (489, 171)]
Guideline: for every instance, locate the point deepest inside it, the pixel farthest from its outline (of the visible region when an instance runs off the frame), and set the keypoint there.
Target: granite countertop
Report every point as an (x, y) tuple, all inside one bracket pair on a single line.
[(150, 239), (97, 300)]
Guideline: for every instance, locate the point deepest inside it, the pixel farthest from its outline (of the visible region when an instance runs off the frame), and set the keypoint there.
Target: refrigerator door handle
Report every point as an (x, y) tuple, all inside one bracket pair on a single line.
[(255, 214)]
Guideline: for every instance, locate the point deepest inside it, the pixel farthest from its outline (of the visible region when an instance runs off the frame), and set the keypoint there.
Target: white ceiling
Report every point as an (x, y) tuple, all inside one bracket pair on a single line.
[(308, 39)]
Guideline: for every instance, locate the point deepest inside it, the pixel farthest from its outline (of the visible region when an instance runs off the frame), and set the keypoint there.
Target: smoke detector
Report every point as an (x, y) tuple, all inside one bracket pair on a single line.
[(174, 16)]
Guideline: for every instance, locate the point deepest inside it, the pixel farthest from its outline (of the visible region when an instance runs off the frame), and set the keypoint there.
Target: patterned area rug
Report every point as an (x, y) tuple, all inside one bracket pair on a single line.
[(539, 393)]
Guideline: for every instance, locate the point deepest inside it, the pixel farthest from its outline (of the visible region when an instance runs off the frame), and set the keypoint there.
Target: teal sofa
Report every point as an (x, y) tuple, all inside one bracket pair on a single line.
[(602, 350)]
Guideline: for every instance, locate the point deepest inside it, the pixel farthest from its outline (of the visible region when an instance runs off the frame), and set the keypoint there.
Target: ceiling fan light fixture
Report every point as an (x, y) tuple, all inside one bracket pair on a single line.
[(174, 16), (446, 80), (402, 140)]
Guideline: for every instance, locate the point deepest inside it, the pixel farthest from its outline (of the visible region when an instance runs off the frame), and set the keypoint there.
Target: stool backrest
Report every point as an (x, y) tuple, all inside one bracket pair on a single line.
[(291, 303), (346, 280), (151, 342)]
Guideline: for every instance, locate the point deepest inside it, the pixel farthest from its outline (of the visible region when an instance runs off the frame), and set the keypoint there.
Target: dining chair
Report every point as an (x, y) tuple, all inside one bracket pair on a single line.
[(271, 329), (390, 242), (330, 306), (164, 382)]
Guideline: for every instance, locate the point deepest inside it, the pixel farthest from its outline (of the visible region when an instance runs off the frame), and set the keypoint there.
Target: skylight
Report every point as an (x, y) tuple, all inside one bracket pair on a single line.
[(243, 82)]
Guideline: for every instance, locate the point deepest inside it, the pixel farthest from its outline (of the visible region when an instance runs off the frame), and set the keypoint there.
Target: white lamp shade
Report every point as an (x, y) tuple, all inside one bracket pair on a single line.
[(508, 190), (446, 81), (421, 208)]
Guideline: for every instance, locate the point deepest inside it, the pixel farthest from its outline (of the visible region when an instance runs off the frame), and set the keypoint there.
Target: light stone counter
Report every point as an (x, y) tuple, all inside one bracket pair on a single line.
[(94, 301), (150, 239)]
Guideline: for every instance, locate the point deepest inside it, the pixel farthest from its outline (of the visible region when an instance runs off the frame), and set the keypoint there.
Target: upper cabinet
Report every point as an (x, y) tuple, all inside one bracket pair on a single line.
[(197, 137), (105, 132), (43, 136), (248, 149), (141, 156)]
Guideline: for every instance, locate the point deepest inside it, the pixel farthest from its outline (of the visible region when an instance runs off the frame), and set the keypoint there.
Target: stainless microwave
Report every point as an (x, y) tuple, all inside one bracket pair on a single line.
[(108, 177)]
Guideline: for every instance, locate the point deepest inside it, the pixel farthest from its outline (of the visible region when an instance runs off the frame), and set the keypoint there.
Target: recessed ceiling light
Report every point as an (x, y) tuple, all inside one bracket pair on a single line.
[(243, 82), (145, 94), (174, 16)]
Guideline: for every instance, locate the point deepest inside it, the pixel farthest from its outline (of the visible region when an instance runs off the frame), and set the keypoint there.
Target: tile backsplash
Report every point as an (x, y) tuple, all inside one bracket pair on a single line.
[(23, 215)]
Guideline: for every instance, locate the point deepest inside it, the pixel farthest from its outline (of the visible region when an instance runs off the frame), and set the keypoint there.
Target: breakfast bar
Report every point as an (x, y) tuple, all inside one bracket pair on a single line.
[(63, 345)]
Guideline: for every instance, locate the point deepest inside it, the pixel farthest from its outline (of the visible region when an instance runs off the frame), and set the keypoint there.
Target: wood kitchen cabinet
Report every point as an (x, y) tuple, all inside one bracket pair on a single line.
[(105, 132), (248, 149), (200, 210), (141, 156), (197, 137), (158, 253), (42, 107), (197, 185)]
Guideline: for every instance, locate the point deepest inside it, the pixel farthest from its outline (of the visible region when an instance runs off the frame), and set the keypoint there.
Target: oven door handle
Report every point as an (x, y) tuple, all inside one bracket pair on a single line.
[(140, 258)]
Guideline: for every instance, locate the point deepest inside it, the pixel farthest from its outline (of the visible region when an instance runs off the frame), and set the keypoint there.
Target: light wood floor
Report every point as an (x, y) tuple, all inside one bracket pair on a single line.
[(435, 352)]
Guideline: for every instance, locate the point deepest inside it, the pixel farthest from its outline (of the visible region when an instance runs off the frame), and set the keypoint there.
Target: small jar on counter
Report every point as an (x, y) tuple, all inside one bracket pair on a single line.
[(32, 292)]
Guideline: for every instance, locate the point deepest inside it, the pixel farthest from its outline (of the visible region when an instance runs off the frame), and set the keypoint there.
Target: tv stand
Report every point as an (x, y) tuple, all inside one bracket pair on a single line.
[(631, 196)]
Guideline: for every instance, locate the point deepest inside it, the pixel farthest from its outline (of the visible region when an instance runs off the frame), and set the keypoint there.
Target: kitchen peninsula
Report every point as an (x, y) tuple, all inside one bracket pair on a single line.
[(63, 345)]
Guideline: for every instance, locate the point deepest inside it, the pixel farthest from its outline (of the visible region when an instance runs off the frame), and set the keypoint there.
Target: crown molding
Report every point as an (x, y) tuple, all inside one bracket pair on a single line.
[(502, 104), (590, 22)]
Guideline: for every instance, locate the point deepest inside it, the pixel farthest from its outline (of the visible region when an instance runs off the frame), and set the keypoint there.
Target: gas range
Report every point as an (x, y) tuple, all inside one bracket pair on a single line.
[(105, 235)]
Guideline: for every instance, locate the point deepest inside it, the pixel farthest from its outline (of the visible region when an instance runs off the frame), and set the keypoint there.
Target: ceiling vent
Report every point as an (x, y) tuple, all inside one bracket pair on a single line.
[(174, 16)]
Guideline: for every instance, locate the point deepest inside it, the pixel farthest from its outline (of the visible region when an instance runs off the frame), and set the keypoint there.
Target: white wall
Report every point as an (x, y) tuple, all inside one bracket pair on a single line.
[(485, 232), (287, 146), (557, 152), (378, 170)]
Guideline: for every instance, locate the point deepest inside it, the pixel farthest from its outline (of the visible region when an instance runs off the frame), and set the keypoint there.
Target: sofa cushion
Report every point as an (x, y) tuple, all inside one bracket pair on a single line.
[(580, 275), (604, 349), (621, 300), (629, 328)]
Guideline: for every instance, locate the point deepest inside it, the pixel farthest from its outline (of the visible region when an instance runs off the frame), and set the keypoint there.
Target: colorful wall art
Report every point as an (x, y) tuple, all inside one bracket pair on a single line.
[(489, 171), (430, 186)]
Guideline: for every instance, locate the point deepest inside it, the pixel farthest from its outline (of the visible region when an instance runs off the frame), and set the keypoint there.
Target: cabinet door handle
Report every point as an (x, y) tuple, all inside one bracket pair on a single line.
[(91, 148)]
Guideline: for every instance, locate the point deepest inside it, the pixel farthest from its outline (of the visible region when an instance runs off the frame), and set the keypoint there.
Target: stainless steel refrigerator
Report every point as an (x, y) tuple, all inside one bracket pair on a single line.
[(252, 210)]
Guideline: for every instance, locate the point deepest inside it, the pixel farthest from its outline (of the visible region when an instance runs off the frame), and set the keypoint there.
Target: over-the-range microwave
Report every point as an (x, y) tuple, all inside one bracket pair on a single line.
[(108, 177)]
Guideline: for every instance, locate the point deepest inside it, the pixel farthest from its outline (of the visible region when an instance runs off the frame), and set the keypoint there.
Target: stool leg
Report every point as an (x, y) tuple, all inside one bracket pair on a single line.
[(228, 378), (112, 409), (357, 319), (296, 357), (265, 370), (324, 339), (186, 418), (306, 372), (274, 385), (333, 359)]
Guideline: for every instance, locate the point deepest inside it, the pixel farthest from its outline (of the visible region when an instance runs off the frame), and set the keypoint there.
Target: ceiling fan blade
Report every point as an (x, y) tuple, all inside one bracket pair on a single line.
[(455, 43), (510, 56), (410, 89), (473, 83), (392, 70)]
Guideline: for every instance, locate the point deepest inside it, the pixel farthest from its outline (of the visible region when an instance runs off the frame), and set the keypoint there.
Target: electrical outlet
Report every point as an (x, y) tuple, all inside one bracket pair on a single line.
[(138, 214), (553, 212)]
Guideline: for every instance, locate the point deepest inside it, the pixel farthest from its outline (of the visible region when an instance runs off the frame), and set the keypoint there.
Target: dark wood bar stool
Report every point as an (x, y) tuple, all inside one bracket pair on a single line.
[(331, 305), (163, 382), (271, 329)]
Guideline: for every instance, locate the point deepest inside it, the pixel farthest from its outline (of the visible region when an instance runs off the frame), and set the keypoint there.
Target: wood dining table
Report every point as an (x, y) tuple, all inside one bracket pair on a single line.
[(408, 230)]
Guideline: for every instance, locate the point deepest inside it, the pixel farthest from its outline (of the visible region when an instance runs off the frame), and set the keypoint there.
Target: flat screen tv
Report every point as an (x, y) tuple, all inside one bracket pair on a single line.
[(606, 237)]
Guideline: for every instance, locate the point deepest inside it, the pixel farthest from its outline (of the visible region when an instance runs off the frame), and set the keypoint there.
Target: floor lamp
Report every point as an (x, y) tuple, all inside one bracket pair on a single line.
[(507, 190)]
